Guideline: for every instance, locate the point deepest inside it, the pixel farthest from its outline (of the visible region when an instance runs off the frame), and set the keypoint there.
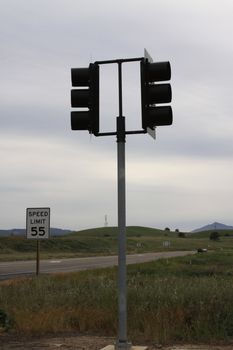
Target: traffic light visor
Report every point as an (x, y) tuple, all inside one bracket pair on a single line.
[(158, 116), (80, 76), (159, 93), (80, 98), (158, 71), (80, 120)]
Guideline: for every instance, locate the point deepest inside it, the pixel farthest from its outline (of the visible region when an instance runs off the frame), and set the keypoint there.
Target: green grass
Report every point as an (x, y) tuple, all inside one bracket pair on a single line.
[(186, 299), (103, 241)]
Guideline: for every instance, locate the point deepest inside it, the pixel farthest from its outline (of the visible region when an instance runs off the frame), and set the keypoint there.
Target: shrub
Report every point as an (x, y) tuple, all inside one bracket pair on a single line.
[(5, 321), (181, 234), (214, 236)]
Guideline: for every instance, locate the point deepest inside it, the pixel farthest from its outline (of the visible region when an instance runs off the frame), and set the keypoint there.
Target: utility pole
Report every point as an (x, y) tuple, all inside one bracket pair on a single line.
[(106, 220)]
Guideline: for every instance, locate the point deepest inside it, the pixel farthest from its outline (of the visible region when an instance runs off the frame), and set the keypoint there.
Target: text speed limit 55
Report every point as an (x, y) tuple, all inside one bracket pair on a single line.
[(38, 223)]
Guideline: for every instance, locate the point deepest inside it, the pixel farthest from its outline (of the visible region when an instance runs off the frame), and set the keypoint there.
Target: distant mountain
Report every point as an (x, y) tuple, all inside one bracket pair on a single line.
[(22, 232), (215, 226)]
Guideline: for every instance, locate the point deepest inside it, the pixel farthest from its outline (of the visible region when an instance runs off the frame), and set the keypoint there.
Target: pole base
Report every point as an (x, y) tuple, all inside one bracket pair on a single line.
[(115, 347)]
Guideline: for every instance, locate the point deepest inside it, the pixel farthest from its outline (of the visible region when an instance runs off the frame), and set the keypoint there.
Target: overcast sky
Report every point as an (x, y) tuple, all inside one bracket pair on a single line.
[(183, 179)]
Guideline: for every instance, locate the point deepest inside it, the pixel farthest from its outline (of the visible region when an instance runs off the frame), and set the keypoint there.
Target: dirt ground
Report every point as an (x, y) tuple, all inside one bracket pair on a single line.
[(84, 342)]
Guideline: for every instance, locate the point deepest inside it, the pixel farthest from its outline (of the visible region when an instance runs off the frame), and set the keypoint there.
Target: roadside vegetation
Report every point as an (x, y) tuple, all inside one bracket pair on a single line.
[(186, 299), (103, 241)]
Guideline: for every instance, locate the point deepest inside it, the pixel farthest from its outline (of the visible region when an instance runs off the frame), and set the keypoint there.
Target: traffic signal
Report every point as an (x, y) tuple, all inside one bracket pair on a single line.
[(152, 94), (86, 97)]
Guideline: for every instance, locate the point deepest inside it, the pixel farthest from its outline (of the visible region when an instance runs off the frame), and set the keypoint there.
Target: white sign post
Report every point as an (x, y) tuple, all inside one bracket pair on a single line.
[(38, 227)]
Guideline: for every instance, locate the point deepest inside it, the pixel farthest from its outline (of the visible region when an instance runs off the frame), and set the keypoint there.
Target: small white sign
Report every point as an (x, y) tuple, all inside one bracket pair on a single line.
[(38, 223), (148, 56), (151, 132), (166, 243)]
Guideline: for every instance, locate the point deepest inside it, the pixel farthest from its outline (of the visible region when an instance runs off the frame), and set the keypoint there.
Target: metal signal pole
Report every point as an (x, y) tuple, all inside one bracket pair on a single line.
[(122, 342), (122, 300)]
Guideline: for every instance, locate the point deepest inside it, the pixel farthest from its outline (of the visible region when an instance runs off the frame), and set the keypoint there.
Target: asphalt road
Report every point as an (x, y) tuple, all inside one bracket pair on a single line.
[(14, 269)]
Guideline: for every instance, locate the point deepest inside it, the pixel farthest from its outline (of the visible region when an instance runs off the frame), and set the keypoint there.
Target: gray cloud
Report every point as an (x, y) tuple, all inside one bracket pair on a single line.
[(44, 163)]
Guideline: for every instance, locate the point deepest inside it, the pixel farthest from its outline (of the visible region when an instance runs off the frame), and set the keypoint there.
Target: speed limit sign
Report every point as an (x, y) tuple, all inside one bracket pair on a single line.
[(38, 223)]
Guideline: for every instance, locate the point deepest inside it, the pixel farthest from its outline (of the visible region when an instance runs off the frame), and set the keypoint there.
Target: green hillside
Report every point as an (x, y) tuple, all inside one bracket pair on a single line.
[(132, 231), (104, 241)]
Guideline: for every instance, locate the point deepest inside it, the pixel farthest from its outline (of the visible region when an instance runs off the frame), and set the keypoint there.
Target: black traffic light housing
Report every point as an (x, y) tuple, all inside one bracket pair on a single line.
[(152, 94), (85, 97)]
